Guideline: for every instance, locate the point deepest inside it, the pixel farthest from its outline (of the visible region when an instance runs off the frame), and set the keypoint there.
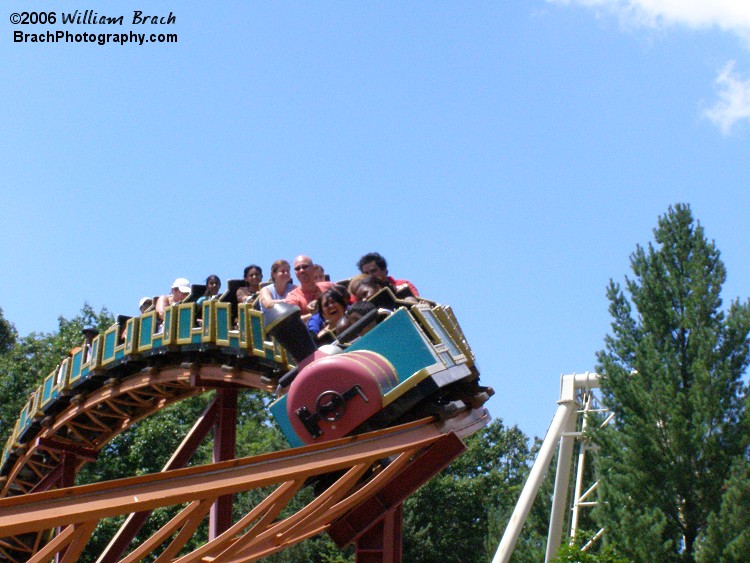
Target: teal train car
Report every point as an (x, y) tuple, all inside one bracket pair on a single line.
[(412, 362), (401, 362)]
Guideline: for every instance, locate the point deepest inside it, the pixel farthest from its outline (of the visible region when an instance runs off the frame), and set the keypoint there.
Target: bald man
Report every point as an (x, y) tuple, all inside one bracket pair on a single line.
[(308, 291)]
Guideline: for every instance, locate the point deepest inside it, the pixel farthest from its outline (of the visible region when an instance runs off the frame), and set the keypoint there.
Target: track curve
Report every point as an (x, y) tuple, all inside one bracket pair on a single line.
[(133, 371)]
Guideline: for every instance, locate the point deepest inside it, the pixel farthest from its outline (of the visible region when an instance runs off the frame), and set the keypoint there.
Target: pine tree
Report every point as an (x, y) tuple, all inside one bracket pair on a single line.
[(672, 373), (727, 536)]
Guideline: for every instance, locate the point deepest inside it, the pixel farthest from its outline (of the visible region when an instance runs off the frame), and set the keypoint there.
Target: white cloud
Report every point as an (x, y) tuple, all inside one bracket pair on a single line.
[(734, 100), (728, 15), (731, 16)]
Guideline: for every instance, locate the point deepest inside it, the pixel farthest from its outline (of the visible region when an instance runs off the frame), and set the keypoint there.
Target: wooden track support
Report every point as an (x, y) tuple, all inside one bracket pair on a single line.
[(375, 473)]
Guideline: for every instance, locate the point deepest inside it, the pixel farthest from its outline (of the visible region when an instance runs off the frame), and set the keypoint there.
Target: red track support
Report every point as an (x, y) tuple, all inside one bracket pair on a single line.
[(382, 542), (225, 442)]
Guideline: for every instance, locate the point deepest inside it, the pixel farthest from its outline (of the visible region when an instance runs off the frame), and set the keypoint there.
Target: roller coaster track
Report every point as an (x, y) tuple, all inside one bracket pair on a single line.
[(414, 364), (43, 518), (91, 421)]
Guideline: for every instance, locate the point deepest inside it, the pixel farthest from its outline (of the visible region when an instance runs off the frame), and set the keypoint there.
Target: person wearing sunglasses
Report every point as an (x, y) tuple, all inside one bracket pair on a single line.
[(305, 296)]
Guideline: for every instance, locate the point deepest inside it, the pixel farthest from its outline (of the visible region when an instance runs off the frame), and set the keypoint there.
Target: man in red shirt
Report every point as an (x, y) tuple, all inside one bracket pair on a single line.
[(306, 294), (373, 264)]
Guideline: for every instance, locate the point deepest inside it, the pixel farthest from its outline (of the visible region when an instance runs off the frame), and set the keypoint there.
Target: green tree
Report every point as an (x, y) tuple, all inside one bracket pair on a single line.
[(451, 516), (30, 359), (7, 334), (672, 373), (727, 536), (573, 554)]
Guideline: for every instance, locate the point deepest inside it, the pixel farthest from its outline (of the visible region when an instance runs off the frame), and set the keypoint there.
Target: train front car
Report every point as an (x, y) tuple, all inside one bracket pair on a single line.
[(414, 362)]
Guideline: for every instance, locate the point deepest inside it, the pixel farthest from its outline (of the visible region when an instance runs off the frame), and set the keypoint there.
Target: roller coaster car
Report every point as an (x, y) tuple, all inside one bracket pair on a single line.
[(396, 364), (414, 363)]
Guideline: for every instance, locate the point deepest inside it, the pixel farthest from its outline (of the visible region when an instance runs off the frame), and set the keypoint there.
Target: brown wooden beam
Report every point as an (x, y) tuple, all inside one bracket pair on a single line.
[(431, 461), (135, 521), (60, 507), (225, 447), (382, 542)]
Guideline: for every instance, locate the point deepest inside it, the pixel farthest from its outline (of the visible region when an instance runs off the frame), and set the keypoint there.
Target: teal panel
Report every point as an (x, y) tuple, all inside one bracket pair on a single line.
[(196, 339), (167, 332), (75, 370), (234, 342), (400, 342), (110, 340), (158, 342), (47, 391), (222, 323), (24, 419), (185, 324), (120, 354), (257, 332), (278, 409), (147, 329), (241, 322)]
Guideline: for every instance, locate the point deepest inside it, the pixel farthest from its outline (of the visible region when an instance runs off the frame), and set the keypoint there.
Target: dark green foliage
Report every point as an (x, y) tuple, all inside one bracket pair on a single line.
[(573, 554), (450, 517), (31, 358), (8, 334), (727, 537), (672, 371)]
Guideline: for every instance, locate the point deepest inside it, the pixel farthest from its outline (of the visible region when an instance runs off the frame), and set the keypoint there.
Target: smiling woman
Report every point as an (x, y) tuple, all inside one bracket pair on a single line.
[(331, 309)]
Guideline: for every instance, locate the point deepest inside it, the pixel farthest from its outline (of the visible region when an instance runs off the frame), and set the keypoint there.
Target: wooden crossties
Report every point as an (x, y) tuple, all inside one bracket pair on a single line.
[(373, 474)]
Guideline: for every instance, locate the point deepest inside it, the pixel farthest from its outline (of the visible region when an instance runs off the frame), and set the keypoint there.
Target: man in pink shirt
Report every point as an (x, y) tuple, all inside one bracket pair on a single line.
[(306, 294)]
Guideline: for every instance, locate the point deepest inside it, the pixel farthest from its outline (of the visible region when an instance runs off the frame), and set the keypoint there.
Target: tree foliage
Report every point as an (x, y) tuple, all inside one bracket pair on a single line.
[(452, 517), (28, 360), (571, 553), (727, 536), (672, 370), (7, 334)]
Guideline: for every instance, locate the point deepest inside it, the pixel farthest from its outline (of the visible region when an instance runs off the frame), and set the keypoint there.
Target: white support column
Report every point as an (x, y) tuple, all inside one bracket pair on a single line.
[(562, 426), (564, 412), (583, 448), (562, 482)]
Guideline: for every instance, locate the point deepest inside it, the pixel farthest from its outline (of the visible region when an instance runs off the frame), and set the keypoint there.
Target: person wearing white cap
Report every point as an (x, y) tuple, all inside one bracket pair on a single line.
[(180, 290)]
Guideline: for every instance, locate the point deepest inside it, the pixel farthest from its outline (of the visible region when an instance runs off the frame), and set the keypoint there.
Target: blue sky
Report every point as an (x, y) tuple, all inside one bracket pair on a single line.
[(506, 157)]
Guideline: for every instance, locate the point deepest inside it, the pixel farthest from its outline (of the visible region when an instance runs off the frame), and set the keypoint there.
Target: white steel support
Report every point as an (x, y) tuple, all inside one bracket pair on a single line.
[(578, 497), (561, 433), (562, 482)]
